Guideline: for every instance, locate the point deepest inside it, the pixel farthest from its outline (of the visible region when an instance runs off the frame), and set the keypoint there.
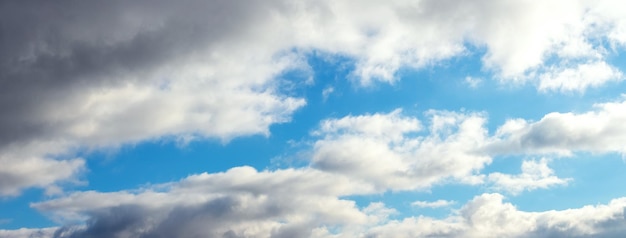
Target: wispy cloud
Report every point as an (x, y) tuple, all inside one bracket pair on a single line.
[(433, 204), (327, 92), (473, 82)]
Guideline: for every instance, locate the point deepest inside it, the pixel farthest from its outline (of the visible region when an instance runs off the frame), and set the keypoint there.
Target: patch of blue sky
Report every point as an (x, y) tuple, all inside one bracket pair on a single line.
[(16, 212), (160, 162)]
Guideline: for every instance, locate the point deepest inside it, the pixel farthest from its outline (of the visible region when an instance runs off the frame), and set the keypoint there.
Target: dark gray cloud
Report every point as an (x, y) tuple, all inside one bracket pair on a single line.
[(55, 55), (87, 74)]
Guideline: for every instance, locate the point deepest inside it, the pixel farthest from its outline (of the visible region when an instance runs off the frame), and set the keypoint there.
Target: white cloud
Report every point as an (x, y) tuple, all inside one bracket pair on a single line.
[(434, 204), (276, 214), (29, 233), (601, 131), (535, 175), (361, 155), (391, 126), (387, 151), (610, 16), (488, 216), (580, 78), (27, 165)]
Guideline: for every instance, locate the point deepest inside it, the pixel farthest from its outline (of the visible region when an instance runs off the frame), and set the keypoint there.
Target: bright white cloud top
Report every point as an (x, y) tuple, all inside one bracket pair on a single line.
[(312, 118)]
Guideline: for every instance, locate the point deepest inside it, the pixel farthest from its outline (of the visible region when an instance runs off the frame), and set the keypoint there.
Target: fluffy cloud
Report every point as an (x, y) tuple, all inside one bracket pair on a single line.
[(387, 150), (488, 216), (242, 214), (241, 202), (535, 174), (601, 131), (392, 151), (519, 36), (294, 201), (26, 165), (580, 77)]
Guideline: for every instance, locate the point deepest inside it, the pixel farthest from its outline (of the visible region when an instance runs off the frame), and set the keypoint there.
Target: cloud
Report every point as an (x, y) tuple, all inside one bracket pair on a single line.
[(227, 214), (434, 204), (579, 78), (128, 74), (354, 155), (106, 75), (241, 202), (600, 131), (391, 151), (28, 166), (29, 233), (535, 175), (386, 150), (488, 216)]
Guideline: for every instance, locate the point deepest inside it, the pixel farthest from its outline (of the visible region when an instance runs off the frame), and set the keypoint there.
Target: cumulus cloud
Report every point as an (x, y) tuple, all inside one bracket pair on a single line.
[(600, 131), (488, 216), (242, 214), (387, 151), (27, 165), (535, 175), (241, 202)]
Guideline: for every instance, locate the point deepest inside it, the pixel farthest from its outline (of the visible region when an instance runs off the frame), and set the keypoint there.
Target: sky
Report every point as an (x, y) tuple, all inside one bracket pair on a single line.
[(278, 118)]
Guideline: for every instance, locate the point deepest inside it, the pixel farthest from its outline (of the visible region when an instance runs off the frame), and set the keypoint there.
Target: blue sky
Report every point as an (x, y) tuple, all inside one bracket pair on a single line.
[(313, 119)]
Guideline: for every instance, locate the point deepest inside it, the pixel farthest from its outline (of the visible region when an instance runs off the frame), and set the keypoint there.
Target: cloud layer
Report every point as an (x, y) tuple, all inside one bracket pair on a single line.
[(198, 206), (79, 76), (352, 156), (90, 75)]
